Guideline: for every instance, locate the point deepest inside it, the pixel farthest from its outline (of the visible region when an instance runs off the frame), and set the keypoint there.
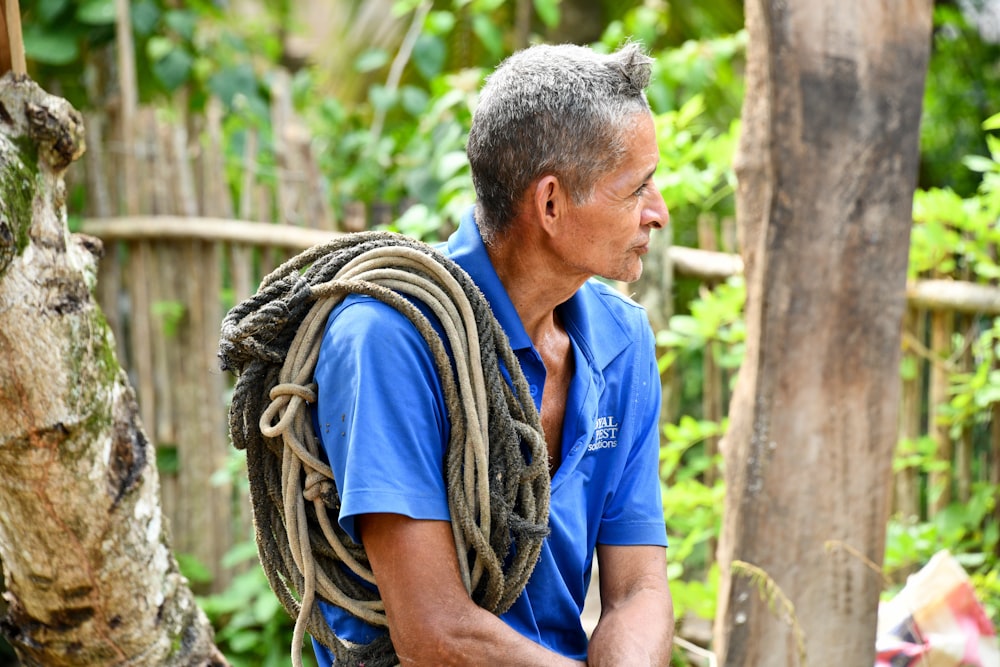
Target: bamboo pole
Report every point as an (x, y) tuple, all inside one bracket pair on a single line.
[(942, 326), (712, 399), (907, 487), (12, 45), (128, 89)]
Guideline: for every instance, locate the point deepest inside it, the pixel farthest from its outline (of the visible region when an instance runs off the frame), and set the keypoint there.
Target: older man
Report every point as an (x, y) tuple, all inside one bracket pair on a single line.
[(563, 152)]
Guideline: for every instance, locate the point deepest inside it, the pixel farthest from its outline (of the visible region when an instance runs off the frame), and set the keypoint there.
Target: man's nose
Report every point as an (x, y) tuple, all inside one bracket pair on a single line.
[(657, 215)]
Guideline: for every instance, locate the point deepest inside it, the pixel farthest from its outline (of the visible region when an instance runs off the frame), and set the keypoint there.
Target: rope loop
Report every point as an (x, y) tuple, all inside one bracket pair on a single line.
[(496, 463), (317, 486)]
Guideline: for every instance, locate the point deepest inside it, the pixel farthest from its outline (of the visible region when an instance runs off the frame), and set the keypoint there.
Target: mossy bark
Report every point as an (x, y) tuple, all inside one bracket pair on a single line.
[(89, 573)]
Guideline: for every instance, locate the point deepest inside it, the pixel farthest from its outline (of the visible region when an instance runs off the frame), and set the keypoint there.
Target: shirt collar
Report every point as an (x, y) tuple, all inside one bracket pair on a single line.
[(466, 247), (579, 313)]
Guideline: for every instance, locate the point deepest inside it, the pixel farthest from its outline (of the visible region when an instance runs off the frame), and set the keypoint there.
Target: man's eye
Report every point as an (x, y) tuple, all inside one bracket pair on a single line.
[(642, 190)]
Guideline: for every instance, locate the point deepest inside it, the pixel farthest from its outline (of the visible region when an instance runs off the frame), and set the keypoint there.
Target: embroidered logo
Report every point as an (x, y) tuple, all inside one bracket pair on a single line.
[(605, 434)]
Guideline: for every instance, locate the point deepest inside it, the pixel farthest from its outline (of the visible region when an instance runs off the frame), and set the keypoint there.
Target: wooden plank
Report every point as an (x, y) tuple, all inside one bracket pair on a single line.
[(245, 209), (213, 422), (242, 278), (158, 163), (140, 356), (167, 357), (192, 526), (280, 116), (217, 201)]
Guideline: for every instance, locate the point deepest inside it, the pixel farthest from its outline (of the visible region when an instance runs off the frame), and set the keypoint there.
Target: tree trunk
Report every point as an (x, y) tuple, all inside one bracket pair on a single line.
[(827, 166), (89, 574)]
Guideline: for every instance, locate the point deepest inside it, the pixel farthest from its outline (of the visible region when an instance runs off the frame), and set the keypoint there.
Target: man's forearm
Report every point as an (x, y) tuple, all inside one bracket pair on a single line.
[(637, 632), (479, 638)]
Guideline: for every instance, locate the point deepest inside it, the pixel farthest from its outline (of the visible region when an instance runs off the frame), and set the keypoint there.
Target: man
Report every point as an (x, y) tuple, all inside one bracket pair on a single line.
[(562, 150)]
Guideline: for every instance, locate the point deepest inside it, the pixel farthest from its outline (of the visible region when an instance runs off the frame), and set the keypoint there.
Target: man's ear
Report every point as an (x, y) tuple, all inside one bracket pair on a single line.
[(549, 202)]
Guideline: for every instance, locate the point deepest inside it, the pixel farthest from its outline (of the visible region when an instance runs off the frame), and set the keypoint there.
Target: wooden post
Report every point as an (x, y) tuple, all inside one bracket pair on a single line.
[(11, 43), (827, 167)]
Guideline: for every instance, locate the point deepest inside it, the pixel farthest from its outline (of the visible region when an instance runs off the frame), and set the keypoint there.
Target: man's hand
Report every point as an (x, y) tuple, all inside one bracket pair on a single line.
[(432, 619), (637, 615)]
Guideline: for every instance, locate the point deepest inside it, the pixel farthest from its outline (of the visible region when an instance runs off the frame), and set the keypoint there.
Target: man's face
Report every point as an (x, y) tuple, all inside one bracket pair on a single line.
[(608, 235)]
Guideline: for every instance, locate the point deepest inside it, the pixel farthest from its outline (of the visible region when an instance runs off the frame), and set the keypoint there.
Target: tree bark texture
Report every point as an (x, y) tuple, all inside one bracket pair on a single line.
[(90, 577), (827, 166)]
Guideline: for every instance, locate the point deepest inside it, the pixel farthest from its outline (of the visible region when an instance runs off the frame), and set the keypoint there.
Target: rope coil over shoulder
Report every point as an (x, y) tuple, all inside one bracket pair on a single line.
[(496, 470)]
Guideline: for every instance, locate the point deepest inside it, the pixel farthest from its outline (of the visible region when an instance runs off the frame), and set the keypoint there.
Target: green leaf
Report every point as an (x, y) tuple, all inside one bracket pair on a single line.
[(548, 11), (183, 22), (370, 60), (992, 123), (174, 69), (167, 459), (145, 14), (440, 23), (414, 100), (159, 47), (265, 607), (193, 569), (451, 163), (50, 48), (229, 82), (50, 9), (429, 54), (979, 163), (382, 98), (489, 34), (96, 12)]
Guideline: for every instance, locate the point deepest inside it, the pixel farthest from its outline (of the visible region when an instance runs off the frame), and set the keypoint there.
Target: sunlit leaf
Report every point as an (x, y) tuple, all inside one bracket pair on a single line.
[(96, 12), (371, 59), (489, 34), (548, 11)]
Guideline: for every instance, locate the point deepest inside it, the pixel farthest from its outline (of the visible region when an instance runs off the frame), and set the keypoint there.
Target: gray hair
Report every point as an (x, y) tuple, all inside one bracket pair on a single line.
[(558, 110)]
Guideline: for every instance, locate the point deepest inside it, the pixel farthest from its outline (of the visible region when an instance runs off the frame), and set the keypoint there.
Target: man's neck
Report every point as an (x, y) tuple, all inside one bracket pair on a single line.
[(534, 287)]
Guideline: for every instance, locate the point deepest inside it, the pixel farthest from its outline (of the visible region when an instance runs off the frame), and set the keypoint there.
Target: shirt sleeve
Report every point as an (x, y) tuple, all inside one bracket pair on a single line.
[(634, 514), (380, 414)]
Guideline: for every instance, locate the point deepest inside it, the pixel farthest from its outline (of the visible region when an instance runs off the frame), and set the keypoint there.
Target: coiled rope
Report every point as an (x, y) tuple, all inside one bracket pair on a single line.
[(496, 465)]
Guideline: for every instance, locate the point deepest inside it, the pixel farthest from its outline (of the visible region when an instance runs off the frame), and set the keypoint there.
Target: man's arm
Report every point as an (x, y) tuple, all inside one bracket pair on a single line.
[(637, 615), (432, 619)]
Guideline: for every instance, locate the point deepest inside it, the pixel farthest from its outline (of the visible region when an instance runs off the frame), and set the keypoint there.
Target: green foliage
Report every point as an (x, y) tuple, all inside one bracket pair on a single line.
[(170, 314), (715, 323), (963, 86), (693, 511), (252, 628), (974, 393)]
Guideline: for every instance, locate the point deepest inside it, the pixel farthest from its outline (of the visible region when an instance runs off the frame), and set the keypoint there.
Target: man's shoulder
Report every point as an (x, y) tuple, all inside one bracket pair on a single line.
[(364, 320)]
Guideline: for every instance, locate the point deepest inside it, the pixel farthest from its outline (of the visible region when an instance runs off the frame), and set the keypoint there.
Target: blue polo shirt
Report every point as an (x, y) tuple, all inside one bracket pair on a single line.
[(383, 423)]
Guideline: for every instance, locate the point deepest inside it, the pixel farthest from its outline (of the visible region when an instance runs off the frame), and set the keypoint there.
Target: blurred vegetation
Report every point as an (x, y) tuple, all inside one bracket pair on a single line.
[(389, 108)]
